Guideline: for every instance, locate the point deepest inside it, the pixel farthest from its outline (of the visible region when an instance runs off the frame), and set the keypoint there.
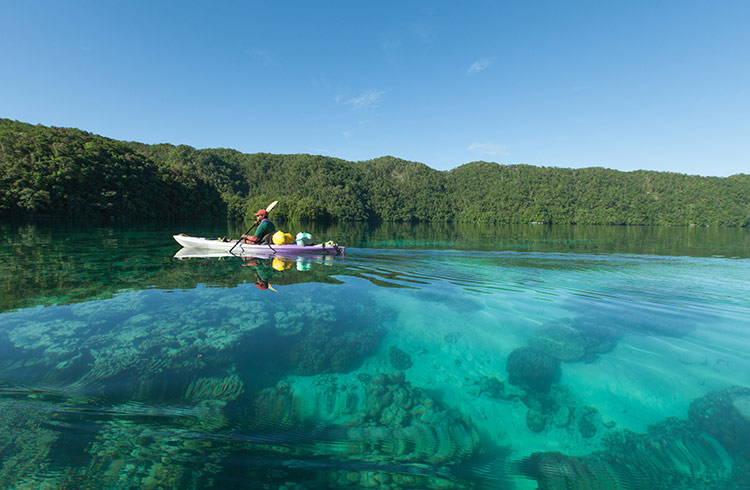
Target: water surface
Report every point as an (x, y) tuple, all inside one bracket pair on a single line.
[(428, 357)]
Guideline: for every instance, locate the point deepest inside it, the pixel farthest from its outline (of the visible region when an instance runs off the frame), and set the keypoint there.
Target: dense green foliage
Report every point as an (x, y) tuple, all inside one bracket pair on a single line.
[(70, 173)]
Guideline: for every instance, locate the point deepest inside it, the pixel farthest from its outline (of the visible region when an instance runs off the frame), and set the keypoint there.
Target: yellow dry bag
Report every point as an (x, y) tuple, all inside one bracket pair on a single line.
[(281, 238)]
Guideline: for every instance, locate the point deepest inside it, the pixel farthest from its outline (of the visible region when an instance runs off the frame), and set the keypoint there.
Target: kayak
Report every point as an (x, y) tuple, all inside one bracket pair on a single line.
[(327, 248)]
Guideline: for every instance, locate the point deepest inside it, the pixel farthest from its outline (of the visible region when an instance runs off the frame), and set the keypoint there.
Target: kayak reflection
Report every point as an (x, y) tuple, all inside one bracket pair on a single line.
[(268, 269)]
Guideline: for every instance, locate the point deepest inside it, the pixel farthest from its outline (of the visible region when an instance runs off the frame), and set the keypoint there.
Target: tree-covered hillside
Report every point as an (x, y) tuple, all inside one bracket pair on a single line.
[(71, 173), (64, 172)]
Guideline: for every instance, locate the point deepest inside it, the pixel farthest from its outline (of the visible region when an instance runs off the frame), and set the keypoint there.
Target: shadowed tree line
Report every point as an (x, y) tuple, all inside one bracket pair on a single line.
[(62, 172)]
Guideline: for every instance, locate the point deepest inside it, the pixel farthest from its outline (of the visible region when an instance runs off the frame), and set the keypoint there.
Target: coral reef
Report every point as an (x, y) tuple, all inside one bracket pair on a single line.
[(491, 387), (561, 417), (126, 454), (672, 454), (559, 409), (26, 440), (291, 322), (384, 418), (562, 342), (725, 415), (327, 348), (535, 420), (93, 343), (586, 419), (127, 341), (532, 369), (291, 475), (452, 337), (380, 478), (225, 389), (580, 339), (399, 359)]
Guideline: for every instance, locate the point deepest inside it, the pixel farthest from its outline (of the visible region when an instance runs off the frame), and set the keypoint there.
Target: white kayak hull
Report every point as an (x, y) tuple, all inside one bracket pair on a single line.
[(248, 250)]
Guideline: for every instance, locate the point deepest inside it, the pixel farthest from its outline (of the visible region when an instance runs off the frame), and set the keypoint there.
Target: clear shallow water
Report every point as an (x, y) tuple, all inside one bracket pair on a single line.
[(428, 357)]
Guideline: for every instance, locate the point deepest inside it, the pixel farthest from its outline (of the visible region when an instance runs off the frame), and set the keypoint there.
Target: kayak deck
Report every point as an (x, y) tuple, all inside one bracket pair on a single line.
[(328, 248)]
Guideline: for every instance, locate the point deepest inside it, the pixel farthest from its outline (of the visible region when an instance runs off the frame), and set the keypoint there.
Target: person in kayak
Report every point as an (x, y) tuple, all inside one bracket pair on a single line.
[(264, 231)]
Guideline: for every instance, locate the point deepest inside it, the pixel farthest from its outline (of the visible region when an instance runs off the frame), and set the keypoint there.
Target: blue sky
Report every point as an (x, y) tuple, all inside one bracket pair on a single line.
[(627, 85)]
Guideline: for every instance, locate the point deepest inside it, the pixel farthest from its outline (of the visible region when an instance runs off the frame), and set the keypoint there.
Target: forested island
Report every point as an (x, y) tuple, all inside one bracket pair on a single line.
[(74, 174)]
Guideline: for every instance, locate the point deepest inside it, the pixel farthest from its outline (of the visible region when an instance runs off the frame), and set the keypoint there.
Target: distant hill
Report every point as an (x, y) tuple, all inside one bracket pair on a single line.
[(68, 173)]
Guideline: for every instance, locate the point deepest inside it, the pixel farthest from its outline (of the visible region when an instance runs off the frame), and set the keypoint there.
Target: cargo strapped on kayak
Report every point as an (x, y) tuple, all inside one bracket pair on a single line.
[(332, 245)]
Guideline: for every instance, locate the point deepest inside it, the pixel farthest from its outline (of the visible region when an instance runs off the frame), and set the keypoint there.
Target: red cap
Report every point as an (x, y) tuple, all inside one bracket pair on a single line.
[(262, 212), (261, 285)]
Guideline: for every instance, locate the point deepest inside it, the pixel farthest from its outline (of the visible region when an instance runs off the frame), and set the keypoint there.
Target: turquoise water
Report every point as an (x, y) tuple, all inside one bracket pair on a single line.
[(427, 357)]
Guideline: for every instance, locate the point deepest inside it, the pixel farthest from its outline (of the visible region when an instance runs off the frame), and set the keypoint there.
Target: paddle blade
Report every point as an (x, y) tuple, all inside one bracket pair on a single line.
[(271, 206)]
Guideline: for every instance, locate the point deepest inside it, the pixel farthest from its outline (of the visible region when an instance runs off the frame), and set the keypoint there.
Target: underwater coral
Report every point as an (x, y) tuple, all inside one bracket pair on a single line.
[(709, 450)]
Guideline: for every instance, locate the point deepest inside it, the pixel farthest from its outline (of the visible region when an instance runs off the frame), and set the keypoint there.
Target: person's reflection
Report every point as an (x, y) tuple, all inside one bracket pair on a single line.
[(263, 272)]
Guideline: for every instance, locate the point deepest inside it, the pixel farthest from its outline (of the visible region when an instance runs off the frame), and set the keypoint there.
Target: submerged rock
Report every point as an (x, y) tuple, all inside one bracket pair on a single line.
[(532, 369)]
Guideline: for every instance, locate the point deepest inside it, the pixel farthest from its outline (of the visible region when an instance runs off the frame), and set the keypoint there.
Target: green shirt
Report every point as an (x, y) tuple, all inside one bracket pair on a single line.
[(265, 227)]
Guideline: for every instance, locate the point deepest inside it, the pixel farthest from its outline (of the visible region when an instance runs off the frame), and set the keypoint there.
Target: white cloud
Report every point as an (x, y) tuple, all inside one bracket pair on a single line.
[(367, 100), (490, 149), (480, 65), (346, 133)]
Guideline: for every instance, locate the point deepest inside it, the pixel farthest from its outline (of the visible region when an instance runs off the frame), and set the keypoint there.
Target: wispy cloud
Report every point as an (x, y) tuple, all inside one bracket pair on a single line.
[(480, 65), (346, 133), (368, 99), (490, 149)]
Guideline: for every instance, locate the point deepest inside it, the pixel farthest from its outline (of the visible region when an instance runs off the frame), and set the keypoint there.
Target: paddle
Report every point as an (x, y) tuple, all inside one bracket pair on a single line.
[(268, 210)]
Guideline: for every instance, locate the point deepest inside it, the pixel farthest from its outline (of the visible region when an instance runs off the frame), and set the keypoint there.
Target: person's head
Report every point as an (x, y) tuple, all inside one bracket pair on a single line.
[(261, 284), (261, 214)]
